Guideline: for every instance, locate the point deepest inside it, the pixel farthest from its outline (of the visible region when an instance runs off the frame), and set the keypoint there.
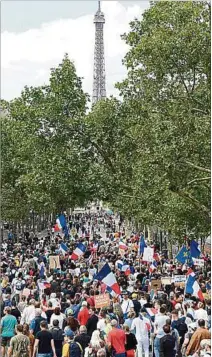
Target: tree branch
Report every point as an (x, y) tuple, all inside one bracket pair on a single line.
[(199, 111), (199, 179), (197, 167), (192, 200)]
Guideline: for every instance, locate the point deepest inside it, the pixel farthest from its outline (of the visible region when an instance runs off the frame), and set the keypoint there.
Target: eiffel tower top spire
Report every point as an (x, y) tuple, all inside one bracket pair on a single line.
[(99, 85)]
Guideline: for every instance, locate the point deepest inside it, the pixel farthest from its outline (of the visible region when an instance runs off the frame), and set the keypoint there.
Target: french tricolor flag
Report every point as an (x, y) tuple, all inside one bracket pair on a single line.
[(192, 287), (152, 267), (106, 276), (126, 269), (63, 248), (151, 312), (122, 246), (78, 251)]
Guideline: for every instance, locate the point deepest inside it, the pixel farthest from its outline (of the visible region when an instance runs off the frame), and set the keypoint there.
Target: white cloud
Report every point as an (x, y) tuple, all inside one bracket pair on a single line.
[(28, 56)]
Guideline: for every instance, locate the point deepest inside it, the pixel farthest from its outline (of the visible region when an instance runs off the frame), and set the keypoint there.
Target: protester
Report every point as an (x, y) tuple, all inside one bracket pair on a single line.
[(66, 275), (19, 344)]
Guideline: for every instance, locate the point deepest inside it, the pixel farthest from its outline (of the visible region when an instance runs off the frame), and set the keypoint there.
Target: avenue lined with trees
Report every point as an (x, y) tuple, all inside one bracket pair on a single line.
[(146, 154)]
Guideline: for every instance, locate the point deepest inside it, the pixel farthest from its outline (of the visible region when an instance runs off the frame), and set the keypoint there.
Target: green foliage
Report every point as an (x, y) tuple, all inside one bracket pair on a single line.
[(148, 155)]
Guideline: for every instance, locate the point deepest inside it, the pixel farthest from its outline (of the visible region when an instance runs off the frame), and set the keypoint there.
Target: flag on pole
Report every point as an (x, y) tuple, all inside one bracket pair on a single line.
[(78, 251), (142, 245), (152, 267), (63, 248), (194, 249), (193, 288), (183, 255), (61, 224), (108, 278)]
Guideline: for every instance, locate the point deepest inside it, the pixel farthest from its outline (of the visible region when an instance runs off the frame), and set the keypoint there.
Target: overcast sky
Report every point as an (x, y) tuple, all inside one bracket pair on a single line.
[(37, 34)]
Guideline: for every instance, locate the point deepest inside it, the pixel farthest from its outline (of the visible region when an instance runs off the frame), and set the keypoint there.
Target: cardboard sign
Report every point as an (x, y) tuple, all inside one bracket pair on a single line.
[(148, 254), (155, 284), (54, 262), (166, 280), (198, 262), (102, 300)]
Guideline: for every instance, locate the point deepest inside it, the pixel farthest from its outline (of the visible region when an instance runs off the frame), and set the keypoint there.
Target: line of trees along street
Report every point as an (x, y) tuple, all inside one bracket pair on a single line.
[(147, 154)]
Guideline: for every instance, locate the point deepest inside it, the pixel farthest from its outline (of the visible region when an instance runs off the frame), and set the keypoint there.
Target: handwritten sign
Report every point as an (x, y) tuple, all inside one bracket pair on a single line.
[(198, 262), (148, 254), (54, 262), (102, 300), (179, 280)]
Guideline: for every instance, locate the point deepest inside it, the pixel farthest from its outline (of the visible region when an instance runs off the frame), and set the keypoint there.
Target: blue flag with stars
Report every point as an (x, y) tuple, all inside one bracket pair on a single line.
[(183, 255)]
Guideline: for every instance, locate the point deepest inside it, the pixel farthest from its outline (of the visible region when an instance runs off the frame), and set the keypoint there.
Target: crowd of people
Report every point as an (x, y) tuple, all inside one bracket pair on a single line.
[(53, 311)]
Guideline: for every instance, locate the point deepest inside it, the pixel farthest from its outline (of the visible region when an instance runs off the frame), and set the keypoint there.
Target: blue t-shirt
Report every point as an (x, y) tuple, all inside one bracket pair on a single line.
[(8, 324)]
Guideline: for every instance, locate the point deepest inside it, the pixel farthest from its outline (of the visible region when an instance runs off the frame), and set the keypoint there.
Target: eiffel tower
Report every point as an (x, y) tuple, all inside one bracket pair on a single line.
[(99, 90)]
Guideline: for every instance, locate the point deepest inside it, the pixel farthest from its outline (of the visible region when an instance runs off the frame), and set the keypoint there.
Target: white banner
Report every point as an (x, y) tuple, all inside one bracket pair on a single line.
[(198, 262), (179, 278), (148, 254)]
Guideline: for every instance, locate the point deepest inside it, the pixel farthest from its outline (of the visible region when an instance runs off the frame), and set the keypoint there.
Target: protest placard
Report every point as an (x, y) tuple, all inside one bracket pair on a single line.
[(54, 262), (148, 254), (179, 280), (198, 262), (167, 280), (155, 284), (102, 300)]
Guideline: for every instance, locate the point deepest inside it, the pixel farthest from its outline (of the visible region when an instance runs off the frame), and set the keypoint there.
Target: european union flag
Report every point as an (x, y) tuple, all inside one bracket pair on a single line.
[(195, 252), (183, 255)]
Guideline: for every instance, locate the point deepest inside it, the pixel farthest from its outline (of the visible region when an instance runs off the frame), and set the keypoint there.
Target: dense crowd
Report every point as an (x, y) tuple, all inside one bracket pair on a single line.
[(63, 310)]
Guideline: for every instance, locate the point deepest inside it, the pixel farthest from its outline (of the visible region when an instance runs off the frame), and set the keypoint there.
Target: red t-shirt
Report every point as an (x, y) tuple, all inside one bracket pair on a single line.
[(83, 316), (117, 339)]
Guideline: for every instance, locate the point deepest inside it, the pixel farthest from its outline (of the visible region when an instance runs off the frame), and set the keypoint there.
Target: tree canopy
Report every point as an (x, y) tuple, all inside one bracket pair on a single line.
[(147, 154)]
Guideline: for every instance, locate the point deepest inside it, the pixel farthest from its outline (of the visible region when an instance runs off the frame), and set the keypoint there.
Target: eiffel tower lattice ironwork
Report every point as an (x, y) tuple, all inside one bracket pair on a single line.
[(99, 86)]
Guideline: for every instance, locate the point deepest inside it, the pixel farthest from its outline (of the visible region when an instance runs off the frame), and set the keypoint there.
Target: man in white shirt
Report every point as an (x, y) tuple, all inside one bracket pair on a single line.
[(160, 320), (126, 305), (201, 314), (140, 325), (28, 313)]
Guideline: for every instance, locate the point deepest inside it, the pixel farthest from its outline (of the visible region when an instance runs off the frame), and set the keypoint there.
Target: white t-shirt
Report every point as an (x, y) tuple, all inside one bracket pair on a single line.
[(101, 325), (60, 318), (160, 321), (201, 314), (126, 305), (141, 330)]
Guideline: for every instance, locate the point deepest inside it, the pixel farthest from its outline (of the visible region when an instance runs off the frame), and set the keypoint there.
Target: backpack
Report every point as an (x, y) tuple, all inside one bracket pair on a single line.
[(75, 349), (22, 347)]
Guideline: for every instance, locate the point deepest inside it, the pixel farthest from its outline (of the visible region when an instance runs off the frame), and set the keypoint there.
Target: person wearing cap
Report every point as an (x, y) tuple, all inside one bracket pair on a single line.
[(83, 315), (116, 340), (126, 305), (8, 324), (68, 339), (200, 334)]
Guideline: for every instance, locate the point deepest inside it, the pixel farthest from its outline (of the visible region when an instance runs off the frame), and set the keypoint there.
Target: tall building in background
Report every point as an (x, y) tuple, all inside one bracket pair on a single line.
[(99, 89)]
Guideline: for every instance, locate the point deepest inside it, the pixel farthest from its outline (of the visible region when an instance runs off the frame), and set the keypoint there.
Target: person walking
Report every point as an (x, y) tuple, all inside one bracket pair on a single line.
[(200, 334), (116, 340), (167, 343), (140, 325), (44, 343), (58, 337), (8, 324), (131, 342), (19, 344)]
